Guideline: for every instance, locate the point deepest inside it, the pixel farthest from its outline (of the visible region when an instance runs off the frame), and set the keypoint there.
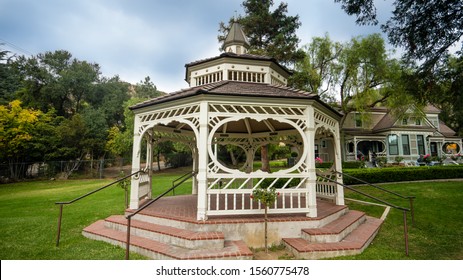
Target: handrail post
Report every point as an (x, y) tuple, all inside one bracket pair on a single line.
[(412, 211), (406, 233), (126, 189), (59, 224), (127, 245)]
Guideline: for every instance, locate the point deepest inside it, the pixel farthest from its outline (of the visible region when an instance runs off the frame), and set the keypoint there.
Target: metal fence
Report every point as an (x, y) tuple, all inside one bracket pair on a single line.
[(101, 168)]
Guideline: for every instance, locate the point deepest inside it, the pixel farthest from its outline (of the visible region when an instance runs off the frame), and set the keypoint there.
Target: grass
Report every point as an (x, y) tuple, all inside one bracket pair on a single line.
[(438, 227), (28, 220)]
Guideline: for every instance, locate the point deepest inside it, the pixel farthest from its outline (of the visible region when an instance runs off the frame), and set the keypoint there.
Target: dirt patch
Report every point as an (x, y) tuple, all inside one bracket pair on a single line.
[(280, 254)]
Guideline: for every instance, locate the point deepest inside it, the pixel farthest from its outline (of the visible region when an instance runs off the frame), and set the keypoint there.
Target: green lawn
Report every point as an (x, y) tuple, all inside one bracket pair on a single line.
[(438, 230), (28, 220)]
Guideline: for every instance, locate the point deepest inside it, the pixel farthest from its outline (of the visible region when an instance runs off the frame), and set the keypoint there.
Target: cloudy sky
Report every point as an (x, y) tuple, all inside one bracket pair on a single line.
[(139, 38)]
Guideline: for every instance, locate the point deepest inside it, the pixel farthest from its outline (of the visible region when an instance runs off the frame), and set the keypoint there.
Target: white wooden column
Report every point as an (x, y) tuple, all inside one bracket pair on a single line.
[(311, 182), (202, 161), (135, 180), (194, 187), (149, 162), (338, 165)]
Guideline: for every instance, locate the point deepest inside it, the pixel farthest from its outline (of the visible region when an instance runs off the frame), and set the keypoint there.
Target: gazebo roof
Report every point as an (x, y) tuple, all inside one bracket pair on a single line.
[(238, 89)]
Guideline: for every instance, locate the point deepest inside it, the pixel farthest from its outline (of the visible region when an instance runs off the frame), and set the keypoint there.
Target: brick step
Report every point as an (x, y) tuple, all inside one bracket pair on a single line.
[(169, 235), (157, 250), (336, 230), (352, 244)]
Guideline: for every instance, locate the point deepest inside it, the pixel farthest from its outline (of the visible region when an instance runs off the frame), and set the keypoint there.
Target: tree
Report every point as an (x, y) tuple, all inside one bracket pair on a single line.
[(426, 29), (21, 139), (9, 80), (53, 80), (443, 89), (267, 197), (109, 96), (270, 33), (146, 89), (317, 70)]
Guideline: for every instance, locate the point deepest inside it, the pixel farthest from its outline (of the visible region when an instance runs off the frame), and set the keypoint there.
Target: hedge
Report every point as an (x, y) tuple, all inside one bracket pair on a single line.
[(397, 174), (345, 164)]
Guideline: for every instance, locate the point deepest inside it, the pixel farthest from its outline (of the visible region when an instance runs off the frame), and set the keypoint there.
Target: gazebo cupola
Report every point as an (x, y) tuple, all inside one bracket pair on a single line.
[(236, 64), (236, 42), (239, 99)]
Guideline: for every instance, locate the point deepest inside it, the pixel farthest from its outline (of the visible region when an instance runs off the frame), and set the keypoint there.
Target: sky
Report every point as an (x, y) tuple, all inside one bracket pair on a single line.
[(155, 38)]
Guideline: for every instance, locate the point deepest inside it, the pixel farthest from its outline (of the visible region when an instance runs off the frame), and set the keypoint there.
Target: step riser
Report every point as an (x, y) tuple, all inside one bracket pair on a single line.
[(329, 238), (329, 254), (321, 254), (250, 233), (168, 239), (157, 255), (135, 249)]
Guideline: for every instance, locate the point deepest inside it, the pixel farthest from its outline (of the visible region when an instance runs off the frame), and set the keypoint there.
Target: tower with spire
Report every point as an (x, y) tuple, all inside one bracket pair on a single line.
[(236, 64)]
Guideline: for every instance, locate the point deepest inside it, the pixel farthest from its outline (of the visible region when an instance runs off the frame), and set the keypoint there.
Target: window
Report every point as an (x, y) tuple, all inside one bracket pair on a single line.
[(420, 143), (393, 141), (418, 121), (405, 145), (350, 147), (358, 120), (404, 121)]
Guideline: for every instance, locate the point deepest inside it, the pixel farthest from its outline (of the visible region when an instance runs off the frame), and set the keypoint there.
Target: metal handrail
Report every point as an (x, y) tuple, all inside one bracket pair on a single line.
[(129, 216), (178, 179), (410, 198), (62, 203), (405, 210)]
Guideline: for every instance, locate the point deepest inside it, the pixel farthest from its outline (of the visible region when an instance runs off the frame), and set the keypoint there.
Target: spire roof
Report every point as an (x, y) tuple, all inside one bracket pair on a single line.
[(236, 36)]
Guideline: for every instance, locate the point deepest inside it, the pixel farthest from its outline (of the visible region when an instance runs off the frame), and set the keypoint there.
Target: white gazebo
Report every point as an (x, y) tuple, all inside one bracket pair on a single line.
[(242, 100)]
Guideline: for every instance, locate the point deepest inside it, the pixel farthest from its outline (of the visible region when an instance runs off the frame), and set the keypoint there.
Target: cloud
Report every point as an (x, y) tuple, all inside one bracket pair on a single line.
[(135, 39)]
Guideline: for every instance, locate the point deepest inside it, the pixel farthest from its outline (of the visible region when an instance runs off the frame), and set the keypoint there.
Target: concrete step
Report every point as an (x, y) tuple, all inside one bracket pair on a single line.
[(336, 230), (236, 250), (169, 235), (352, 244)]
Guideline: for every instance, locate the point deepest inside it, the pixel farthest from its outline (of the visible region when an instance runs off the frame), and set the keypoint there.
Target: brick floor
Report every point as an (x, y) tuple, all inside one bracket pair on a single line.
[(184, 208)]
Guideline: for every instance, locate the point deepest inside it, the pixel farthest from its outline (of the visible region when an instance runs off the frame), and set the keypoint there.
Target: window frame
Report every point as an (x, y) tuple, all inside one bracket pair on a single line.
[(405, 144), (394, 145), (420, 146)]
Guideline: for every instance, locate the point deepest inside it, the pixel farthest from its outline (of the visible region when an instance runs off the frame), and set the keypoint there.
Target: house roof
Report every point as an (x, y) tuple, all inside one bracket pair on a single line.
[(445, 130), (237, 89)]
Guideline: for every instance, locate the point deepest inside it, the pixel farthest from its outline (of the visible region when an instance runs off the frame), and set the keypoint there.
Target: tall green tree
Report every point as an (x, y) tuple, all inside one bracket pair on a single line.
[(146, 89), (316, 72), (425, 29), (9, 80), (270, 32), (109, 96), (54, 80)]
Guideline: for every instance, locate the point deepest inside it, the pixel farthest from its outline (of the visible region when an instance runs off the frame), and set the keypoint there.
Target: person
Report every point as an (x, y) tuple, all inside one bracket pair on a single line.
[(373, 159), (359, 155)]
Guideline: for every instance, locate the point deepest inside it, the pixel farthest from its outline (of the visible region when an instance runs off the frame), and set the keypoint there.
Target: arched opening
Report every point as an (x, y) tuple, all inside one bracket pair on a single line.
[(366, 148), (249, 145), (324, 150)]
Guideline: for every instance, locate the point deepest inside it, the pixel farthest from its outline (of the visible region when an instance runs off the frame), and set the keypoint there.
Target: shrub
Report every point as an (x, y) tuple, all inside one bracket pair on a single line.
[(353, 164), (382, 175), (398, 159)]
